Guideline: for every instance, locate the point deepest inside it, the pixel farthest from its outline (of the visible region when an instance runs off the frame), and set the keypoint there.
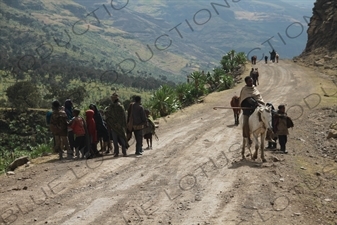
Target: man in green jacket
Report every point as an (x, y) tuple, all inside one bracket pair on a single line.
[(116, 120)]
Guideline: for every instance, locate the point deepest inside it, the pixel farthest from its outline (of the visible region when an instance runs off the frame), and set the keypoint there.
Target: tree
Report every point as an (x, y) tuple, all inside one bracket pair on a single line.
[(58, 92), (220, 80), (196, 76), (163, 101), (232, 60), (240, 58), (199, 79), (184, 93), (23, 94)]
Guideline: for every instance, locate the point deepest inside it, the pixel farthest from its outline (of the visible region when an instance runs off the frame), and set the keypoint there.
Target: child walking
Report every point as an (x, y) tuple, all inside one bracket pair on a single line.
[(149, 131), (282, 123), (78, 127), (91, 127)]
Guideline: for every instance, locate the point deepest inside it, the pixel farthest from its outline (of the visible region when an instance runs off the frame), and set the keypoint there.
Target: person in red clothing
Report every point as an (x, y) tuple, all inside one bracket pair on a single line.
[(92, 132), (78, 127)]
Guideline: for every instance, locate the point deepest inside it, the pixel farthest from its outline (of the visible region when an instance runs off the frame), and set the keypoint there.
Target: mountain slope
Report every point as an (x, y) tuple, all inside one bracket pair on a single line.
[(242, 25), (26, 26), (167, 39)]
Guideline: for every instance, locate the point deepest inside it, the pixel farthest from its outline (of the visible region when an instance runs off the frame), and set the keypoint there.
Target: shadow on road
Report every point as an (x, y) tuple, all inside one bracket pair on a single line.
[(246, 162)]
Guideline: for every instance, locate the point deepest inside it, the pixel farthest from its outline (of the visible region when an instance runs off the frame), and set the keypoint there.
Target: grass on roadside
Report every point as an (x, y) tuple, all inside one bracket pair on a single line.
[(35, 152)]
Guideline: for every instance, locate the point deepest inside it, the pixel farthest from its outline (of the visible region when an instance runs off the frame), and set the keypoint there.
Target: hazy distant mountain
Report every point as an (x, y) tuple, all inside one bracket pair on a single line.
[(169, 38), (205, 30)]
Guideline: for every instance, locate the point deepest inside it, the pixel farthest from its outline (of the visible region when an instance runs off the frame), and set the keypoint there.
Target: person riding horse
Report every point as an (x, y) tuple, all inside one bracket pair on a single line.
[(251, 98)]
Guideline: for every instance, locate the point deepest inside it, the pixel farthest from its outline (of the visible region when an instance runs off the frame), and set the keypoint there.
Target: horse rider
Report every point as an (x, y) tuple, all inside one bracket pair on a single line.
[(251, 98)]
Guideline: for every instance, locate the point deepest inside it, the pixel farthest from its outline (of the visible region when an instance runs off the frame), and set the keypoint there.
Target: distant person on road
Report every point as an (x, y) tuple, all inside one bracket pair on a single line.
[(136, 113), (251, 72), (266, 59), (58, 126), (276, 57), (281, 124), (272, 55), (255, 76), (253, 59), (250, 97)]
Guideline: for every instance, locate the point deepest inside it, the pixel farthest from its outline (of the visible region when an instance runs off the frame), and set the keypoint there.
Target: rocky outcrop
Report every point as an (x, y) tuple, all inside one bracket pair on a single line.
[(321, 48), (322, 31)]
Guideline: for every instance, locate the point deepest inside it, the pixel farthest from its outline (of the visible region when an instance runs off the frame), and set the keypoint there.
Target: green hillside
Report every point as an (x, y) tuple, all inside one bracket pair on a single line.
[(159, 39), (41, 32)]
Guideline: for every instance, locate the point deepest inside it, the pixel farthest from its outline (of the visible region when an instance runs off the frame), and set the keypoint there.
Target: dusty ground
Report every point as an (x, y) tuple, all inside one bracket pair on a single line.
[(194, 174)]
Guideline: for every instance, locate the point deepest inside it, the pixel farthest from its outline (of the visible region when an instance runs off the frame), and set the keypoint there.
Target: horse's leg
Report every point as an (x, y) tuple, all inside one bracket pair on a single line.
[(249, 146), (243, 148), (263, 136), (254, 156)]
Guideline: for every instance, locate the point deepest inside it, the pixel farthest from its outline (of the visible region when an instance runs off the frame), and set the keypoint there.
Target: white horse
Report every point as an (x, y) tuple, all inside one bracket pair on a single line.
[(259, 122)]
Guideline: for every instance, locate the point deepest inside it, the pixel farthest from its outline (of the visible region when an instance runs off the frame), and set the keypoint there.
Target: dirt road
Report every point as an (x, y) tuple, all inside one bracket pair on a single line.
[(192, 176)]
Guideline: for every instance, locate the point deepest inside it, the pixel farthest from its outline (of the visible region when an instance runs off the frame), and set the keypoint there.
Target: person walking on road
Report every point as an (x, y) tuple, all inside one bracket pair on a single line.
[(59, 128), (136, 117), (281, 123), (116, 120)]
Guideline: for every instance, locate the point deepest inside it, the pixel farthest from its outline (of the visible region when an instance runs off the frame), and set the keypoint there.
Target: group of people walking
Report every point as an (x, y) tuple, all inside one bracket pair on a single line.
[(111, 125), (274, 56)]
